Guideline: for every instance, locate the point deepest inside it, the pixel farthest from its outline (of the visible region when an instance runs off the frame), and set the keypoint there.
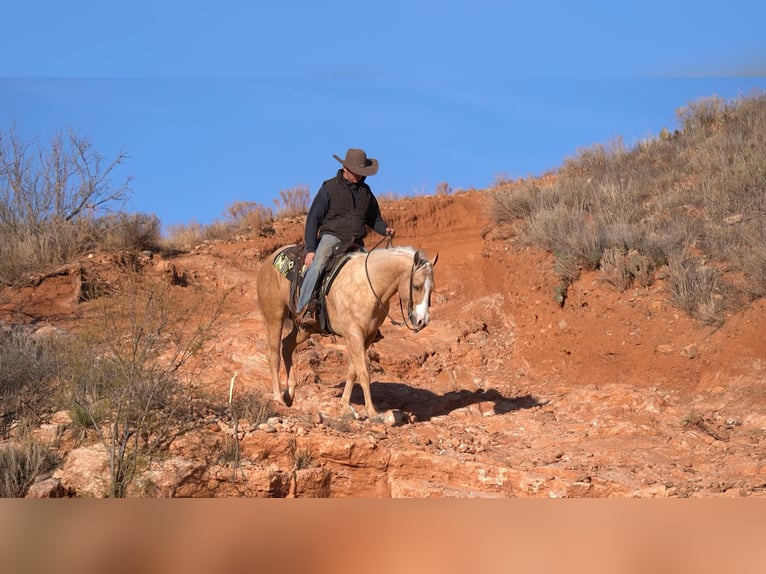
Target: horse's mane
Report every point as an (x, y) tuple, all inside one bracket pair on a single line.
[(398, 250)]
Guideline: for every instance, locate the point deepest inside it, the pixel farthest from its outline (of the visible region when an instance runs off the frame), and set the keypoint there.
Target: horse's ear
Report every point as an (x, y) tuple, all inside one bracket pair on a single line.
[(436, 258)]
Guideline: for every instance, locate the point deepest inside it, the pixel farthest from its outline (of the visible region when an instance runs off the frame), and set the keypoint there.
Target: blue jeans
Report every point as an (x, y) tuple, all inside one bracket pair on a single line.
[(321, 257)]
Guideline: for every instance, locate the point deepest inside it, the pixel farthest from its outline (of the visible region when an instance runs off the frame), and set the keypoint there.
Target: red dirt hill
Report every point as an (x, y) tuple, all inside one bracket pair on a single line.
[(505, 393)]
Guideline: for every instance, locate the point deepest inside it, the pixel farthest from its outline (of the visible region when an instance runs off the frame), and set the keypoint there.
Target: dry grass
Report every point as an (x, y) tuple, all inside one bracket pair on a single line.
[(293, 202), (29, 366), (21, 461), (696, 196)]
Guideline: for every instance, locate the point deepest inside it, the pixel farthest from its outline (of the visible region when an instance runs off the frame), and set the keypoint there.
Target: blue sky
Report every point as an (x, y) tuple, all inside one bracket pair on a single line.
[(218, 102)]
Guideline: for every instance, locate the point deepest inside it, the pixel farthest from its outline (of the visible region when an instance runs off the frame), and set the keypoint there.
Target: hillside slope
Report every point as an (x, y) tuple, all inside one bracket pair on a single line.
[(506, 393)]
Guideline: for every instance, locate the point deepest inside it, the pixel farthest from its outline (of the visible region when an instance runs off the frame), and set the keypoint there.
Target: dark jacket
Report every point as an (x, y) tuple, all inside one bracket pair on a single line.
[(343, 209)]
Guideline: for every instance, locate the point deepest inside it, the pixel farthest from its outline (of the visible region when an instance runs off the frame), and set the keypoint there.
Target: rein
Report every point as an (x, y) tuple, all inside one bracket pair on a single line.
[(377, 297)]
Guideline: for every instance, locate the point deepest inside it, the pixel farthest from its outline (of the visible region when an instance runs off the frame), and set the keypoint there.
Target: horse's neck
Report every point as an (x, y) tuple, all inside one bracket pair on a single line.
[(385, 270)]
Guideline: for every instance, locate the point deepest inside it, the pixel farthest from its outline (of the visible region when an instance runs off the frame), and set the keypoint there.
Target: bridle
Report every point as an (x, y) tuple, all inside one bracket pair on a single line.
[(414, 269)]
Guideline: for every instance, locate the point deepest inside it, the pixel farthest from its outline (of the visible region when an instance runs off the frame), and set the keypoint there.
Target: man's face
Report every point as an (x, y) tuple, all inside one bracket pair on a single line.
[(351, 176)]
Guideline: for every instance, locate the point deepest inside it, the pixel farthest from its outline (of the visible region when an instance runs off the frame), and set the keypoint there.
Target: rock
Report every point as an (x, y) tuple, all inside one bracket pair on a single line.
[(48, 488), (48, 433), (394, 417), (86, 472), (664, 349), (61, 418), (690, 351), (312, 483)]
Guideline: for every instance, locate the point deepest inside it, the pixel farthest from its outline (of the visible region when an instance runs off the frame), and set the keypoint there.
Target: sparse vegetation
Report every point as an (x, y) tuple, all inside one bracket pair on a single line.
[(51, 198), (21, 461), (293, 202), (254, 407), (125, 379), (302, 456), (29, 366), (241, 218), (693, 202)]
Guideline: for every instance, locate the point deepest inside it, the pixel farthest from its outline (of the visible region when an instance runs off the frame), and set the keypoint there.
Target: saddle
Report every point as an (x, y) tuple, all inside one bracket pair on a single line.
[(290, 263)]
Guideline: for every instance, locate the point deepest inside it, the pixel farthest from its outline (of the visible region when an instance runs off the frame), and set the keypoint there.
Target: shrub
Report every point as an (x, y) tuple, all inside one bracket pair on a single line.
[(251, 217), (695, 288), (293, 202), (29, 366), (21, 462), (443, 188), (125, 376), (129, 231)]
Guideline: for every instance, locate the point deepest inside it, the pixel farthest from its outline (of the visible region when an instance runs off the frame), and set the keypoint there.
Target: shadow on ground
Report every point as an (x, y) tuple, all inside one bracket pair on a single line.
[(425, 405)]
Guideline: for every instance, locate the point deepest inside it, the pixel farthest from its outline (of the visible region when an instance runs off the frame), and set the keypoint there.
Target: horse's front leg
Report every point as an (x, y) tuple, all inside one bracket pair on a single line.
[(358, 357), (345, 399)]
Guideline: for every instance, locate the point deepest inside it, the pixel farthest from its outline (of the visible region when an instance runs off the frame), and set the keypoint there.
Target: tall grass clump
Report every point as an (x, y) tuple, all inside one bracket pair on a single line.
[(21, 461), (29, 367), (696, 196)]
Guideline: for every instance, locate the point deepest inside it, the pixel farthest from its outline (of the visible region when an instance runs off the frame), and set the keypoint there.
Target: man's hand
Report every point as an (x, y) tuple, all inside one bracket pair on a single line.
[(309, 258), (390, 231)]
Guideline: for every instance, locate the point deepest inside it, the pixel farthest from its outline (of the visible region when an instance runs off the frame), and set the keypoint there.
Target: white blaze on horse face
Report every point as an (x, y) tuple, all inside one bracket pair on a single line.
[(420, 316)]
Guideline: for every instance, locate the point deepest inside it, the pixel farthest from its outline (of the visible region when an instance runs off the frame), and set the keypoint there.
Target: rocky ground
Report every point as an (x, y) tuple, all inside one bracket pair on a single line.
[(505, 394)]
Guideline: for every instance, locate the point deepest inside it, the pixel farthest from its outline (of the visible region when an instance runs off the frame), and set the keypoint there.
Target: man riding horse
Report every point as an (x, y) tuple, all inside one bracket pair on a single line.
[(341, 212)]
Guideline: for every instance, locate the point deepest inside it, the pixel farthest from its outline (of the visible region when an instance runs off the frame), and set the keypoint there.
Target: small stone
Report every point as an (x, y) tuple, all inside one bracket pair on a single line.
[(394, 417), (690, 351), (664, 349), (266, 427)]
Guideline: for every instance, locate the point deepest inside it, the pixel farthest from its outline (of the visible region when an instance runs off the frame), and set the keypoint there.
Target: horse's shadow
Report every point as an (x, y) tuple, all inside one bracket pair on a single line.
[(425, 405)]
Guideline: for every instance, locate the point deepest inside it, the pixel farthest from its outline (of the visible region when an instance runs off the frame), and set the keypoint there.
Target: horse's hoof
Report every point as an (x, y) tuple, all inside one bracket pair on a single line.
[(279, 398)]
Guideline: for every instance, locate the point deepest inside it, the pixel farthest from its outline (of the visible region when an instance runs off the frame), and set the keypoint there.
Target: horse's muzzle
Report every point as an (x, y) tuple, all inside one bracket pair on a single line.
[(419, 323)]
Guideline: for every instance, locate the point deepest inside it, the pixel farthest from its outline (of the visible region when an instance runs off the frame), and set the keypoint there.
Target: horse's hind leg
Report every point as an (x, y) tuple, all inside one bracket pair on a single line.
[(291, 340), (274, 342)]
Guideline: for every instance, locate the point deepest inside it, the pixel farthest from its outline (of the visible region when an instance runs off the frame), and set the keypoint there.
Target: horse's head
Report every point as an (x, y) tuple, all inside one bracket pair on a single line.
[(416, 290)]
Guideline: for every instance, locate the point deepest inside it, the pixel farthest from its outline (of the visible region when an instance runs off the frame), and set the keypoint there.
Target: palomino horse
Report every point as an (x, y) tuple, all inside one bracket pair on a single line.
[(357, 304)]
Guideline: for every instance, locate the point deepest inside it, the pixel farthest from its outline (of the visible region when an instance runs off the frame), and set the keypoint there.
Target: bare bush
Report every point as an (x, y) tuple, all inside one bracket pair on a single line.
[(614, 268), (49, 196), (511, 202), (621, 268), (293, 202), (129, 231), (127, 375), (248, 216), (443, 188), (183, 235)]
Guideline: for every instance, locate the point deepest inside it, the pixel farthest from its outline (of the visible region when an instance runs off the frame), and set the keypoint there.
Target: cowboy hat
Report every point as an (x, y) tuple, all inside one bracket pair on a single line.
[(356, 161)]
